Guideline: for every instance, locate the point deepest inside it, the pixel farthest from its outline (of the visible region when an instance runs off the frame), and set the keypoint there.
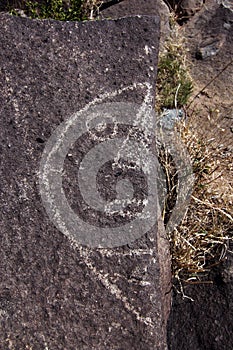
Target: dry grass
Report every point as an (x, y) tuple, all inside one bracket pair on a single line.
[(202, 238), (90, 8), (174, 84)]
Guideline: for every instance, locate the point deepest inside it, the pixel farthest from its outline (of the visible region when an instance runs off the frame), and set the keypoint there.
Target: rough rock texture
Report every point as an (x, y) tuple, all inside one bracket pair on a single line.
[(54, 295), (205, 322), (141, 7), (186, 8)]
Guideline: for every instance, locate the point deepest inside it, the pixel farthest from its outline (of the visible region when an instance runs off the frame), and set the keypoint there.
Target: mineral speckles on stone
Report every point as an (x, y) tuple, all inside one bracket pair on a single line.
[(55, 293), (141, 7)]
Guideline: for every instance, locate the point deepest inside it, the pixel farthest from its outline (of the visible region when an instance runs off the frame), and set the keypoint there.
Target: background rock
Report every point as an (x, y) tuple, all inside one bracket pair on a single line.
[(141, 7)]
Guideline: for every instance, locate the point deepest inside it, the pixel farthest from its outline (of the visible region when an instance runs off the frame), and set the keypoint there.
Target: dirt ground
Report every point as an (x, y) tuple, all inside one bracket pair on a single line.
[(206, 322)]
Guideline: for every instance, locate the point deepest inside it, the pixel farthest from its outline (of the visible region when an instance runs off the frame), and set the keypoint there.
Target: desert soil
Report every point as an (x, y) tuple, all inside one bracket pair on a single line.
[(206, 322)]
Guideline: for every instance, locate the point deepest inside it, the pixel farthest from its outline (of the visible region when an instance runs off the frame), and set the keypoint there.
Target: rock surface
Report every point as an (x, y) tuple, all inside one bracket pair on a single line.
[(205, 322), (188, 8), (141, 7), (55, 294)]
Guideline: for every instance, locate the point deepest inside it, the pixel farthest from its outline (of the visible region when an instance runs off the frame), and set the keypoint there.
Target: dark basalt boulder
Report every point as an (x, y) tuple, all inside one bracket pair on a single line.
[(54, 292)]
